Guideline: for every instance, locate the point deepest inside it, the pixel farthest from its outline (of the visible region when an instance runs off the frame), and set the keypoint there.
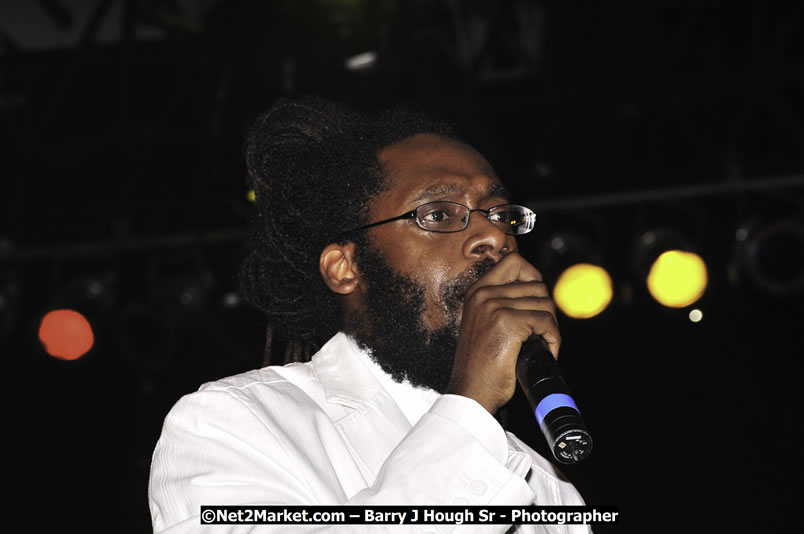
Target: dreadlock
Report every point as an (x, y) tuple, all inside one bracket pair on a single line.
[(314, 168)]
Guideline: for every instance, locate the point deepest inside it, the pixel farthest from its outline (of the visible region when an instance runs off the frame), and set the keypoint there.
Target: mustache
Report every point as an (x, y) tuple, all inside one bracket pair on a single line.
[(457, 288)]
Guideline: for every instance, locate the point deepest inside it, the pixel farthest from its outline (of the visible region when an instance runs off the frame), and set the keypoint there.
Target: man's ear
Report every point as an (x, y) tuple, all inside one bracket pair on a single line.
[(338, 268)]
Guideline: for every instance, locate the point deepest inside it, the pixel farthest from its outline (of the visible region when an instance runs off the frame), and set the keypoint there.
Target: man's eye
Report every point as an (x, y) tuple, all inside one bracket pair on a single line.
[(501, 216), (436, 216)]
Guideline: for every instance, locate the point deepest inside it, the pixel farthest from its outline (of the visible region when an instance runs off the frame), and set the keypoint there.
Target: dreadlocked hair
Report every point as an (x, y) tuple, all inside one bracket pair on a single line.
[(314, 169)]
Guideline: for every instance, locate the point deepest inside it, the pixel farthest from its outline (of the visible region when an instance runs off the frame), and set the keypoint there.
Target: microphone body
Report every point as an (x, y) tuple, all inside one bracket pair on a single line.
[(548, 395)]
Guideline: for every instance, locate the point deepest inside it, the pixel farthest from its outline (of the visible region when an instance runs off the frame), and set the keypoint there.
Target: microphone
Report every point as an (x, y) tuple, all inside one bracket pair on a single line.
[(549, 398)]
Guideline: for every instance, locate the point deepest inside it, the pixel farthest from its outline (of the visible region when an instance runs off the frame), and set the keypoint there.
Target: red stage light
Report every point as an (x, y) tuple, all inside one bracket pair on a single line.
[(66, 334)]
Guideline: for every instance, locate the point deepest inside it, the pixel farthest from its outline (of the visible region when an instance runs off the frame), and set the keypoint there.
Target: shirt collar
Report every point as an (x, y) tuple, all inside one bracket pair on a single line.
[(349, 373)]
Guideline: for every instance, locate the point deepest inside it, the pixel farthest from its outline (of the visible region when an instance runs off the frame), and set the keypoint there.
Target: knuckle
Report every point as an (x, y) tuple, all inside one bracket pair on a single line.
[(499, 317), (546, 318), (489, 306)]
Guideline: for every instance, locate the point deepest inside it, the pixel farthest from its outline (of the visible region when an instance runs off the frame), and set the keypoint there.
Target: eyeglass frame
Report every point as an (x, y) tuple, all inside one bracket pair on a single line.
[(412, 214)]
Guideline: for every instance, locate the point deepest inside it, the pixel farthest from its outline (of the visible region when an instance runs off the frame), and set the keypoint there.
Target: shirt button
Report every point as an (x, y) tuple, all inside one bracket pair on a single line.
[(477, 487)]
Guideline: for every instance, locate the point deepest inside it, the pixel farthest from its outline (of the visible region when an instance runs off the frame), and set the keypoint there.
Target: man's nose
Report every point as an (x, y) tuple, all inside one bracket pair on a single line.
[(486, 240)]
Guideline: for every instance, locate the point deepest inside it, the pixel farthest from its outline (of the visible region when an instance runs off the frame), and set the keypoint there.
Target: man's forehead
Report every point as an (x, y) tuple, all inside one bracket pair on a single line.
[(433, 151), (427, 166)]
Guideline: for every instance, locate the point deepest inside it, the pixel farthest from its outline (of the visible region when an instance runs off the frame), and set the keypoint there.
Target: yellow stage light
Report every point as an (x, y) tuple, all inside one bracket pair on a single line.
[(583, 290), (677, 279)]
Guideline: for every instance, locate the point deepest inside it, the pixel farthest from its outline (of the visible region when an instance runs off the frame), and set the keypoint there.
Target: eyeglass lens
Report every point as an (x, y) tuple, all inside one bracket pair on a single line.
[(452, 217)]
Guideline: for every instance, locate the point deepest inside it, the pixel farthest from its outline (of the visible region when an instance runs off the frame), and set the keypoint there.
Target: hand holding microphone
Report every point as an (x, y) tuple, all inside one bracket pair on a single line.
[(505, 308)]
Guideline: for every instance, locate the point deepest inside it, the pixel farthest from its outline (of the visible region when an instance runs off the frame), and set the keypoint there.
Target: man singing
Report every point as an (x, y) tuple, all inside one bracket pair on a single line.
[(386, 248)]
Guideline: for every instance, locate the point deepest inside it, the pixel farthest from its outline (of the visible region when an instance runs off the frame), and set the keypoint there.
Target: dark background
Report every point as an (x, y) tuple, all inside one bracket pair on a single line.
[(124, 195)]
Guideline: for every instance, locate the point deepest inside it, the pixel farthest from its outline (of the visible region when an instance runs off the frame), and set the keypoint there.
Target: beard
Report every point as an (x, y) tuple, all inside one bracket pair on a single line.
[(391, 328)]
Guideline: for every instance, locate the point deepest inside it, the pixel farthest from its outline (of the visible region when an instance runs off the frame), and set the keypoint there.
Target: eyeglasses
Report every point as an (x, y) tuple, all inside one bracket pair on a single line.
[(445, 216)]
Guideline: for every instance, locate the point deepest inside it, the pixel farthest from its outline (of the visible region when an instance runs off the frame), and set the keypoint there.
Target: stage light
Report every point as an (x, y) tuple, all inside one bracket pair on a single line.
[(772, 254), (677, 278), (73, 321), (582, 288), (361, 62), (231, 300), (696, 315), (674, 274), (66, 334)]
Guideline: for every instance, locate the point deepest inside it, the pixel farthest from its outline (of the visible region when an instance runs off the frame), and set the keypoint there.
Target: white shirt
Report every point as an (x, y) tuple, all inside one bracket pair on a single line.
[(339, 430)]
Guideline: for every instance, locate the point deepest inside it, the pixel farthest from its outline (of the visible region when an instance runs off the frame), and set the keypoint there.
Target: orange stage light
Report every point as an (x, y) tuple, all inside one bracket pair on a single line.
[(66, 334)]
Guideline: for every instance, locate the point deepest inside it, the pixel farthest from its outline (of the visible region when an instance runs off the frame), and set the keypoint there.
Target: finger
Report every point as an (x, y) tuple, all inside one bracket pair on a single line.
[(523, 303), (532, 322), (512, 268), (512, 290)]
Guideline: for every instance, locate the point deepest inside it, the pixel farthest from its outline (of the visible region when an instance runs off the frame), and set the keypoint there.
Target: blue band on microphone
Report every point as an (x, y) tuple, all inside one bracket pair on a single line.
[(551, 402)]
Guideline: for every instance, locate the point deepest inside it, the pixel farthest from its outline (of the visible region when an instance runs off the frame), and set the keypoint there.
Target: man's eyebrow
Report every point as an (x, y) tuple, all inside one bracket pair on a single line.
[(438, 190), (494, 190), (499, 190)]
